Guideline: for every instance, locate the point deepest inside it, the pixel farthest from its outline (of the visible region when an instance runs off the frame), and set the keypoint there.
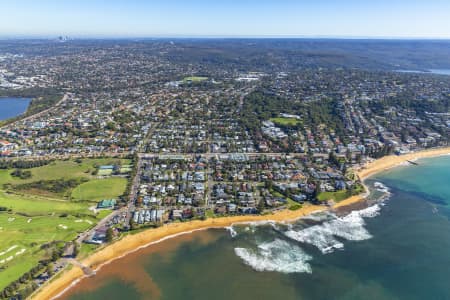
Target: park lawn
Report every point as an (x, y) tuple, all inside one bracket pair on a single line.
[(286, 121), (47, 223), (126, 169), (103, 213), (100, 189), (35, 205), (336, 196), (104, 172), (61, 169), (18, 231), (195, 79), (210, 213), (290, 202), (86, 250), (5, 176), (58, 170)]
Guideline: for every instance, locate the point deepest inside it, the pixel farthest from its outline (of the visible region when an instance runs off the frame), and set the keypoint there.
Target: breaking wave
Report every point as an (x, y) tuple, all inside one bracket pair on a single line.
[(278, 256), (324, 236), (250, 227), (232, 231), (317, 217), (328, 233), (381, 187)]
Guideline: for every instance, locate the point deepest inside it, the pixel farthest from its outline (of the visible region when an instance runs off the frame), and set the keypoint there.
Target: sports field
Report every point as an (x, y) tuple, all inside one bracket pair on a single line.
[(62, 171), (286, 121), (100, 189), (194, 79)]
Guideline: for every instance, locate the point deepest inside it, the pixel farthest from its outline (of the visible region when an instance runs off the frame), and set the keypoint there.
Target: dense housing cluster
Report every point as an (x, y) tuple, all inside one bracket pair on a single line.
[(208, 128)]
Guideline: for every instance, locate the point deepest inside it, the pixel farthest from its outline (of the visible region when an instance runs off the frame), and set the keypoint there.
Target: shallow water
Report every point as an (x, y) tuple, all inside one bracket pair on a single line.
[(398, 249)]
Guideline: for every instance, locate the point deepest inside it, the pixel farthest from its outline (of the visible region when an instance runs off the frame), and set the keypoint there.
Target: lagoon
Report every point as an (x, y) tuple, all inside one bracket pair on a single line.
[(12, 107)]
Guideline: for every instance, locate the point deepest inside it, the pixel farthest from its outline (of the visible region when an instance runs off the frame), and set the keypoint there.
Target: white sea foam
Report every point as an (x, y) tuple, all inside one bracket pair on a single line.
[(324, 236), (317, 217), (233, 232), (319, 235), (369, 212), (381, 187), (278, 256), (251, 227)]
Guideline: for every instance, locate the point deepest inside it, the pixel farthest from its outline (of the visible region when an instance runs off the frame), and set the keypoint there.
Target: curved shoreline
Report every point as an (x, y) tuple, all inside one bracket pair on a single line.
[(133, 243), (391, 161)]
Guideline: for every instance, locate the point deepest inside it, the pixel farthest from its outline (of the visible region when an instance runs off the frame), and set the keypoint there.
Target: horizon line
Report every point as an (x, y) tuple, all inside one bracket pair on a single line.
[(189, 36)]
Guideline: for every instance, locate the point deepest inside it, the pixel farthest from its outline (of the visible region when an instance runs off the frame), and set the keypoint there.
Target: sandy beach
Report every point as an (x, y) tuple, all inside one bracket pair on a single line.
[(131, 243), (391, 161), (143, 239)]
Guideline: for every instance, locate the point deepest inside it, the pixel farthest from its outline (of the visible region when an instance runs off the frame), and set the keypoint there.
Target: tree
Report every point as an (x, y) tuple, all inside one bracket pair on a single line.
[(132, 224), (348, 155), (333, 159), (316, 189), (55, 255), (49, 270), (76, 250), (109, 235), (261, 205)]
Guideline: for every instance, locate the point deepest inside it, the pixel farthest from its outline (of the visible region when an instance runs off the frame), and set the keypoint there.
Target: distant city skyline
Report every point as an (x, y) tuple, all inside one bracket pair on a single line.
[(245, 18)]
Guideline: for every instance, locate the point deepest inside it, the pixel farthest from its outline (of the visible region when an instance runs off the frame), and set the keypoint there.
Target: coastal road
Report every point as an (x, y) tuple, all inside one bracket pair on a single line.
[(103, 222)]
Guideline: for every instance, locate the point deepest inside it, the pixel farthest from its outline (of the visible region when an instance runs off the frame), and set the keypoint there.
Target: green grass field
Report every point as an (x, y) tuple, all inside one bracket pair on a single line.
[(126, 169), (34, 220), (29, 233), (40, 206), (286, 121), (100, 189), (104, 172), (58, 170), (86, 250), (195, 79), (290, 203), (336, 196)]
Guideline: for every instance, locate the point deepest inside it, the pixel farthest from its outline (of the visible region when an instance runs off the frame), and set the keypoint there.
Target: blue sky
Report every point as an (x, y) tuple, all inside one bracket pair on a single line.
[(311, 18)]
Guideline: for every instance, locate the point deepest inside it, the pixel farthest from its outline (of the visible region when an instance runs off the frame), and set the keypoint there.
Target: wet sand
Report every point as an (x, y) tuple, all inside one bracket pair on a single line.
[(132, 243)]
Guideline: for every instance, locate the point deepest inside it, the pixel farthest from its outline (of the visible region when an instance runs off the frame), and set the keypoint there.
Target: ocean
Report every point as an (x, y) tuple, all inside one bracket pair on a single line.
[(12, 107), (395, 247)]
